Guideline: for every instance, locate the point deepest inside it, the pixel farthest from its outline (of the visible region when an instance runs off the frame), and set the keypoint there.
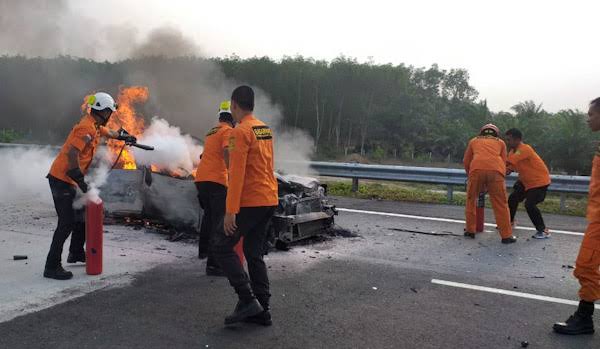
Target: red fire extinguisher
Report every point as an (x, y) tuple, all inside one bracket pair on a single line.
[(480, 212), (94, 229), (239, 250)]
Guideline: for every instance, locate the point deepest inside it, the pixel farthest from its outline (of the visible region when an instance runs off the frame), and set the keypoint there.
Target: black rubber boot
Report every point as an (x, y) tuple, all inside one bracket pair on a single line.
[(469, 235), (202, 252), (76, 257), (212, 267), (579, 323), (213, 270), (264, 318), (57, 273), (509, 240), (243, 310)]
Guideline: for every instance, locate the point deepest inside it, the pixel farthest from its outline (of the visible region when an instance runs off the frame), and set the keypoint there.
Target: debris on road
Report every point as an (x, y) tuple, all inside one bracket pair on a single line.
[(433, 233), (19, 257), (336, 230), (524, 344), (178, 236)]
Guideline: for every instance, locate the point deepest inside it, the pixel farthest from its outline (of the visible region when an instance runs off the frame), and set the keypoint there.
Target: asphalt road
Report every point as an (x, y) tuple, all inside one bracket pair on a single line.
[(372, 291)]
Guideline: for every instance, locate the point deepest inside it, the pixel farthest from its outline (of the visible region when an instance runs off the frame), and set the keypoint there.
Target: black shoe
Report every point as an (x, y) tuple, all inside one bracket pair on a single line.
[(57, 273), (244, 310), (212, 270), (575, 325), (509, 240), (579, 323), (202, 250), (469, 235), (263, 319), (76, 257)]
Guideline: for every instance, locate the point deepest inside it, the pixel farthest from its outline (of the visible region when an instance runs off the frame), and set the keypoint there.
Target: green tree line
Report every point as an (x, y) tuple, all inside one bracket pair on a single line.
[(381, 112)]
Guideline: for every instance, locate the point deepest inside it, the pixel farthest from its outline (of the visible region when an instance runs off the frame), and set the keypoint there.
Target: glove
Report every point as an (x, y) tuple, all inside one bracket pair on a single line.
[(123, 135), (77, 176), (130, 140)]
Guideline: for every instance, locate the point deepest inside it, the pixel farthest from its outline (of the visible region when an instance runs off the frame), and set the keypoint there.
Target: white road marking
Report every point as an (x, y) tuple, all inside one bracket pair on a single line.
[(447, 220), (507, 292)]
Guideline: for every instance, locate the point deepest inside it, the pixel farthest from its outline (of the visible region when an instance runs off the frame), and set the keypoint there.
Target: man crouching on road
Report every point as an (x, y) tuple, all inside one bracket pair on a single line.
[(485, 164), (251, 202), (534, 179), (587, 265), (67, 172)]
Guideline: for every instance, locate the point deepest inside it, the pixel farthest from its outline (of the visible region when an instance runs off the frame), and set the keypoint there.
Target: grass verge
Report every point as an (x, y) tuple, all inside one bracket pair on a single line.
[(436, 194)]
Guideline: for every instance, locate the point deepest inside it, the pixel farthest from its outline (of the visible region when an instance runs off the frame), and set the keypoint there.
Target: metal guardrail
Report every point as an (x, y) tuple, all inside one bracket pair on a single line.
[(27, 146), (449, 177), (446, 176)]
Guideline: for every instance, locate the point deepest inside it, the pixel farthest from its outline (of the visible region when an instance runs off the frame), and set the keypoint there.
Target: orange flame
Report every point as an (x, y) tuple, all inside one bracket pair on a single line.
[(127, 118)]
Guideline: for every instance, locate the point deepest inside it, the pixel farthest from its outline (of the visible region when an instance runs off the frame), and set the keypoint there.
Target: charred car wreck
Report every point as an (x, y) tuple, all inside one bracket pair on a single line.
[(304, 210)]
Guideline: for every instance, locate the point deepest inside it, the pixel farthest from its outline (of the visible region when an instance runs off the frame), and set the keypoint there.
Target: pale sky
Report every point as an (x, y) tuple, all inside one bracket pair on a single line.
[(546, 51)]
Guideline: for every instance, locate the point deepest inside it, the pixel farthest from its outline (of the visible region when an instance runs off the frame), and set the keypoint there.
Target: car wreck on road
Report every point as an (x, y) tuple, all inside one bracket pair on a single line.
[(304, 210)]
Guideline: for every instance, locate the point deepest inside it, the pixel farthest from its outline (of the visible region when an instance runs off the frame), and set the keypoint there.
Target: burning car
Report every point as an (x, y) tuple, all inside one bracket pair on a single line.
[(167, 193), (303, 211)]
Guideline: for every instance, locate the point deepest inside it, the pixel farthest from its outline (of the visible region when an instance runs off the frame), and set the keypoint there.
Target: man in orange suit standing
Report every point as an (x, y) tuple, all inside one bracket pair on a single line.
[(211, 184), (587, 265), (251, 201)]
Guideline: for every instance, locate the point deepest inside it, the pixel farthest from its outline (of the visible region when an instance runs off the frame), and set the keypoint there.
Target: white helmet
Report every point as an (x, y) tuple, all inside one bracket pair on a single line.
[(101, 101)]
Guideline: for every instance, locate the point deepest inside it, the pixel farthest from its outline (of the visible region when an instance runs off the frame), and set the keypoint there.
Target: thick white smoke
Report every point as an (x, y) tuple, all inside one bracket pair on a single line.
[(25, 170), (293, 147), (185, 91), (23, 174), (95, 178), (173, 151)]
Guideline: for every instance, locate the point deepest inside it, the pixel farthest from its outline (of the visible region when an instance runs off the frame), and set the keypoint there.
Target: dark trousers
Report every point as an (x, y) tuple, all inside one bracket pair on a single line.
[(212, 198), (69, 221), (252, 224), (532, 198)]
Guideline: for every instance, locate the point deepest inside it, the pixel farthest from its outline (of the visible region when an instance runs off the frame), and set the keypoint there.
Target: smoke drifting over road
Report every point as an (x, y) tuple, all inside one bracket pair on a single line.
[(185, 88), (23, 174)]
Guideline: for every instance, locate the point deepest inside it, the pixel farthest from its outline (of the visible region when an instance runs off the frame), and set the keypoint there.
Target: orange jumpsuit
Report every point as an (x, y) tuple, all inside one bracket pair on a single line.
[(485, 163), (252, 181), (212, 167), (84, 137), (532, 170), (587, 266), (211, 184)]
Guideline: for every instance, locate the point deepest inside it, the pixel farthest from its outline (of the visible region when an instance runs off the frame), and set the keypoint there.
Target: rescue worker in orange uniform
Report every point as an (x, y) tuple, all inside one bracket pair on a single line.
[(68, 172), (587, 265), (485, 163), (251, 201), (211, 183), (534, 179)]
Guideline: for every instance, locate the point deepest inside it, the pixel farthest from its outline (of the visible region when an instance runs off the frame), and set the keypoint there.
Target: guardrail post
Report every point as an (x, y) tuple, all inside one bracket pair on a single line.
[(563, 204), (450, 193), (354, 185)]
